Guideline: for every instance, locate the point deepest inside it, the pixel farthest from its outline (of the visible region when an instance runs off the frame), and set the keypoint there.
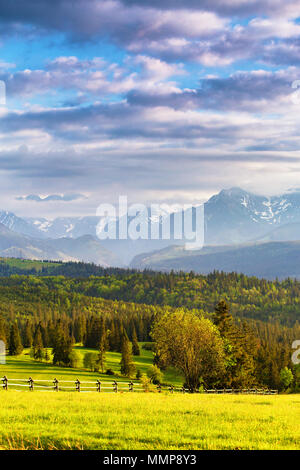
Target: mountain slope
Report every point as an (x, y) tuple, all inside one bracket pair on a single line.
[(233, 216), (84, 248), (268, 260)]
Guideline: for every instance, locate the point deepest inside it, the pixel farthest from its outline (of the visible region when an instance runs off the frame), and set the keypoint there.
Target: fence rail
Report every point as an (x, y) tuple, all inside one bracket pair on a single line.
[(97, 386)]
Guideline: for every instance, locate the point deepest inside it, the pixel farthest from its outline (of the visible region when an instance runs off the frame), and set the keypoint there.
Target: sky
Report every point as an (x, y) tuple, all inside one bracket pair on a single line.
[(162, 101)]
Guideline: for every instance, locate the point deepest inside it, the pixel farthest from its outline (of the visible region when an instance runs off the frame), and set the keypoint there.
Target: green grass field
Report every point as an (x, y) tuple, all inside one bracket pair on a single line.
[(36, 420), (64, 420), (27, 264), (24, 366)]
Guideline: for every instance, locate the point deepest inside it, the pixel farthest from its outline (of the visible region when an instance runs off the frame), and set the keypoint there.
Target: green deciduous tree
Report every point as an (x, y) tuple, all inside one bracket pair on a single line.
[(192, 344), (90, 361), (155, 375), (75, 359), (286, 378)]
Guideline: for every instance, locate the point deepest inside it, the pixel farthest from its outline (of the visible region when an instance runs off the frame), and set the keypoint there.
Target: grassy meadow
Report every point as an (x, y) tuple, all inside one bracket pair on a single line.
[(24, 366), (148, 421)]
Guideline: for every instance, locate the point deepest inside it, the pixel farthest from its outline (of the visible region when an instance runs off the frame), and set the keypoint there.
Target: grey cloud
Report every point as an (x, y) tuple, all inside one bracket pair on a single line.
[(247, 91), (86, 20), (199, 32), (285, 52), (227, 7)]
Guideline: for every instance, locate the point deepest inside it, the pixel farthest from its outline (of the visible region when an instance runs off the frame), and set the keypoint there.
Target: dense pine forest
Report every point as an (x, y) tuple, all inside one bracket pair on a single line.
[(81, 303), (249, 297)]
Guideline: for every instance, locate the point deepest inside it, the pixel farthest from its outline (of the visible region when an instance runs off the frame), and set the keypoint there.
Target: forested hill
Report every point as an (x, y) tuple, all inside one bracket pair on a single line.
[(11, 266), (248, 297)]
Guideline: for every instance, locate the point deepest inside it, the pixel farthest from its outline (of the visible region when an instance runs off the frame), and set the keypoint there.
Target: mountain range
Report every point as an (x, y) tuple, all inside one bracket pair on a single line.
[(85, 248), (268, 260), (233, 218)]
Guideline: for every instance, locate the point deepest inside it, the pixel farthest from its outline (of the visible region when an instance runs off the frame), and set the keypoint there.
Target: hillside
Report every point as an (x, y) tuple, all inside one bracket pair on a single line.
[(112, 289), (85, 248), (265, 260)]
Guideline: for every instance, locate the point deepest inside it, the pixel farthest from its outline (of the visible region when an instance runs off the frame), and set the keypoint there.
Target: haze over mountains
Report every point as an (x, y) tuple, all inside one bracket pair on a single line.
[(85, 248), (267, 260), (233, 217)]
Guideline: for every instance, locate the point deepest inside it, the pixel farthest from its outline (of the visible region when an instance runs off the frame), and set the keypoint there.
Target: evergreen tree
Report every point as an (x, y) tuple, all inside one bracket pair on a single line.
[(222, 318), (27, 336), (62, 347), (37, 345), (102, 345), (127, 365), (239, 347), (15, 344), (79, 329), (135, 344)]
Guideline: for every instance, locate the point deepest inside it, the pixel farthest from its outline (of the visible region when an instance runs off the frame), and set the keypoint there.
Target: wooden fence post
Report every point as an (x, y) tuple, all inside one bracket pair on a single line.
[(55, 385), (5, 383), (183, 389), (77, 383), (115, 386), (130, 386), (30, 381), (159, 388), (98, 386)]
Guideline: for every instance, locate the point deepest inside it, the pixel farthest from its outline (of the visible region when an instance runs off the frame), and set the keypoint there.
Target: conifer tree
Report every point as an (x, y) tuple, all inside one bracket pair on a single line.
[(15, 344), (222, 318), (102, 345), (135, 344), (239, 348), (27, 336), (62, 347), (127, 365), (37, 345)]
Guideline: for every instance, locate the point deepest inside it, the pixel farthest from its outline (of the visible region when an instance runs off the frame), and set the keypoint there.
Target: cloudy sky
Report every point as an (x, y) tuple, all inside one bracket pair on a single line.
[(168, 100)]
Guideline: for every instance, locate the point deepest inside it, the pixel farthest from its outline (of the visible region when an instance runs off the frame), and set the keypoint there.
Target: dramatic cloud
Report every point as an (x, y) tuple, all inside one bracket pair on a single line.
[(258, 90), (95, 77), (170, 100)]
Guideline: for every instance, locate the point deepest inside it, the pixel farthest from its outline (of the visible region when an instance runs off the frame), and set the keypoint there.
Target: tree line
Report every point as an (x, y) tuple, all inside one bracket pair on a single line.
[(236, 354)]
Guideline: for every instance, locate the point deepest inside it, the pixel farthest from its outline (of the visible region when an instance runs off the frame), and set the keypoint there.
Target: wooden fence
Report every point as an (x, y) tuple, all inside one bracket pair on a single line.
[(97, 386)]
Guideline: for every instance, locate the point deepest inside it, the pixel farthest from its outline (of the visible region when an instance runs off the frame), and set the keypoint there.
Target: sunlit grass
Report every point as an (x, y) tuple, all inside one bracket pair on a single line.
[(24, 366), (147, 421)]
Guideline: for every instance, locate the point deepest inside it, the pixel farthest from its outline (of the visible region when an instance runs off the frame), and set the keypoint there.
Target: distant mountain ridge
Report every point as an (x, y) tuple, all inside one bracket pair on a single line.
[(85, 248), (264, 260), (237, 216), (232, 217), (240, 215)]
